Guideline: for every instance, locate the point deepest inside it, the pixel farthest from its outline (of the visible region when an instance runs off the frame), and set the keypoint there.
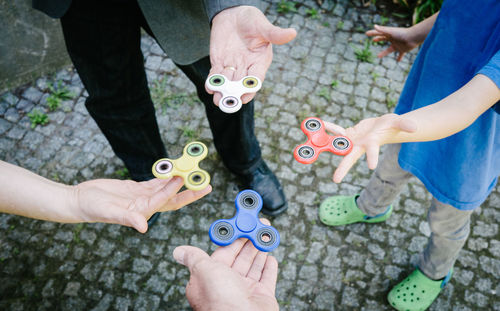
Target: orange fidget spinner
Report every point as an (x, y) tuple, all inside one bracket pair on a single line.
[(319, 141)]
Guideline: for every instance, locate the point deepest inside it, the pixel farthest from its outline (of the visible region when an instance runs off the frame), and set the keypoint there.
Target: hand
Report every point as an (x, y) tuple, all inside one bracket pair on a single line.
[(131, 203), (367, 136), (235, 277), (242, 39), (401, 39)]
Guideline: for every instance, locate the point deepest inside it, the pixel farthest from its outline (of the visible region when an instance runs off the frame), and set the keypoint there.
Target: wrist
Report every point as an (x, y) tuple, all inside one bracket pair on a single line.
[(72, 202)]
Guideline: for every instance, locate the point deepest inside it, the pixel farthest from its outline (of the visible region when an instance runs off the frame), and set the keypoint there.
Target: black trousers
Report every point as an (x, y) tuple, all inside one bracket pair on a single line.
[(103, 41)]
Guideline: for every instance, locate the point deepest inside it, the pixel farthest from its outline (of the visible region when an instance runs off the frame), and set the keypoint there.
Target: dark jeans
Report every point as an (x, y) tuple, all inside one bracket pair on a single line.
[(103, 40)]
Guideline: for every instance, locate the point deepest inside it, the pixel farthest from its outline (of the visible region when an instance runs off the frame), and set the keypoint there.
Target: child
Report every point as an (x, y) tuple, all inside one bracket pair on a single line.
[(446, 132)]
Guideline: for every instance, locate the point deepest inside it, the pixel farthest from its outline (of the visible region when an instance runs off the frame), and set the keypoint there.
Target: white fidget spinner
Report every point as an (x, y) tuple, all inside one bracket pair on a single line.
[(232, 90)]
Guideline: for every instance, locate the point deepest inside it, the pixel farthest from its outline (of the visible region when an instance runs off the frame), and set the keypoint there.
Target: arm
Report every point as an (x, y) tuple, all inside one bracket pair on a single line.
[(461, 109), (442, 119), (122, 202), (402, 39)]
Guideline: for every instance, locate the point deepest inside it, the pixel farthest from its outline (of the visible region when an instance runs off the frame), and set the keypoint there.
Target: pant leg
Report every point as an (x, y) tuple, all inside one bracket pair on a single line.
[(385, 183), (234, 136), (103, 41), (450, 228)]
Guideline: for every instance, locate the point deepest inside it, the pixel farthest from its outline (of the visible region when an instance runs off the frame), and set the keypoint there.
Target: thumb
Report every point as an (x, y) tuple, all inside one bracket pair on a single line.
[(278, 35), (334, 128), (120, 216), (189, 256)]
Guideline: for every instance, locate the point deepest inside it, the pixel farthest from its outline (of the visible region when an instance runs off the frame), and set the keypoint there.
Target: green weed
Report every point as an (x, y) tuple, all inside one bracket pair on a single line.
[(188, 132), (164, 98), (365, 54), (383, 20), (123, 173), (312, 13), (340, 25), (58, 93), (390, 102), (286, 7), (334, 83), (38, 118), (325, 93)]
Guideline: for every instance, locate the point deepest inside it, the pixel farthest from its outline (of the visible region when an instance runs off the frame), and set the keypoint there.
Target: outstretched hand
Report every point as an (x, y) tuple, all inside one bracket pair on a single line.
[(241, 44), (235, 277), (131, 203), (400, 38), (367, 136)]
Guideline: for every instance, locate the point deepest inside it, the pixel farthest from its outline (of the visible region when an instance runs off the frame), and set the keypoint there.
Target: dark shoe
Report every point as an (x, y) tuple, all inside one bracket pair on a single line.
[(267, 185), (153, 219)]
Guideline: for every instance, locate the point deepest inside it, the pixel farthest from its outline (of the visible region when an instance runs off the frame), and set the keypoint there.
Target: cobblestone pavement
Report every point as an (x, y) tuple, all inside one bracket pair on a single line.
[(49, 266)]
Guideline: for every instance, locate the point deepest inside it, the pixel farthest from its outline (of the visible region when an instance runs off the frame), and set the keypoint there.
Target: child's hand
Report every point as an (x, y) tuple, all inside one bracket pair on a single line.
[(367, 136), (402, 39)]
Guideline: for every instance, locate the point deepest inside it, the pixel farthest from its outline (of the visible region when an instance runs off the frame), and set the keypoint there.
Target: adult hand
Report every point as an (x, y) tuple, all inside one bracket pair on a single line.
[(401, 39), (367, 136), (131, 203), (235, 277), (241, 44)]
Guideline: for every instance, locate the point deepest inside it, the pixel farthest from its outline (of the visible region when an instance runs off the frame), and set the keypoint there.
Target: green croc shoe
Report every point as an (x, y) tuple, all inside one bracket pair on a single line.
[(342, 210), (416, 292)]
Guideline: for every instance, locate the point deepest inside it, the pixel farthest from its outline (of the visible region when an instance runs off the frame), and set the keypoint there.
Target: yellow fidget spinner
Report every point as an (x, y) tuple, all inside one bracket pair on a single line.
[(185, 167)]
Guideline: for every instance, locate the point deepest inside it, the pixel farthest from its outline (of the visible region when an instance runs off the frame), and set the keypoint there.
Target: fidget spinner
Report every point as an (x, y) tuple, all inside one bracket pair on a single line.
[(185, 167), (319, 141), (232, 90), (245, 224)]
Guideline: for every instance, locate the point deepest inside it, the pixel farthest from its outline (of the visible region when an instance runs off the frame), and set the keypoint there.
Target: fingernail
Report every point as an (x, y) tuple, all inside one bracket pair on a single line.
[(179, 255)]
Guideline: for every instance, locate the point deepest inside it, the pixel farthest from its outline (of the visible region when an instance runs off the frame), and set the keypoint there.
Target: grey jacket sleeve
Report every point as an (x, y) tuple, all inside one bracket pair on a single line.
[(213, 7)]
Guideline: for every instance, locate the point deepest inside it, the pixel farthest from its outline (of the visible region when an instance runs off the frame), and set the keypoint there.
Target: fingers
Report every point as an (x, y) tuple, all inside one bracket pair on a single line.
[(372, 152), (380, 38), (257, 267), (384, 29), (270, 274), (243, 262), (189, 256), (184, 198), (265, 221), (334, 128), (347, 162), (277, 35), (227, 254), (400, 56), (166, 193), (386, 52), (116, 214), (373, 32)]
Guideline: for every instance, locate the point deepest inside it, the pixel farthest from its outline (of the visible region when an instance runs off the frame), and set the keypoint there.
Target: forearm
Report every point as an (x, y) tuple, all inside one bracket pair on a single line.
[(27, 194), (452, 114), (421, 30)]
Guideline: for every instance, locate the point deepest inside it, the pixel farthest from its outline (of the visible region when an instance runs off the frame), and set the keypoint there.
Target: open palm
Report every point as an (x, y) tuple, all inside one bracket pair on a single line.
[(132, 203), (367, 137), (241, 44)]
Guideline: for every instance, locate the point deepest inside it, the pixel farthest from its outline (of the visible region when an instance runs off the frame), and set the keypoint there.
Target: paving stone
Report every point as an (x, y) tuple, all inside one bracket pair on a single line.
[(4, 126)]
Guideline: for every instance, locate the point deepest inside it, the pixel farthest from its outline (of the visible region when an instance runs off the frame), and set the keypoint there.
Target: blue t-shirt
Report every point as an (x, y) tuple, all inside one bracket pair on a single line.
[(462, 169)]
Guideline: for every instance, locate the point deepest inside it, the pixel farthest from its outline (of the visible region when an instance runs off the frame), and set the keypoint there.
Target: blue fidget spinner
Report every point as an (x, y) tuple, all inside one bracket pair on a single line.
[(245, 224)]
